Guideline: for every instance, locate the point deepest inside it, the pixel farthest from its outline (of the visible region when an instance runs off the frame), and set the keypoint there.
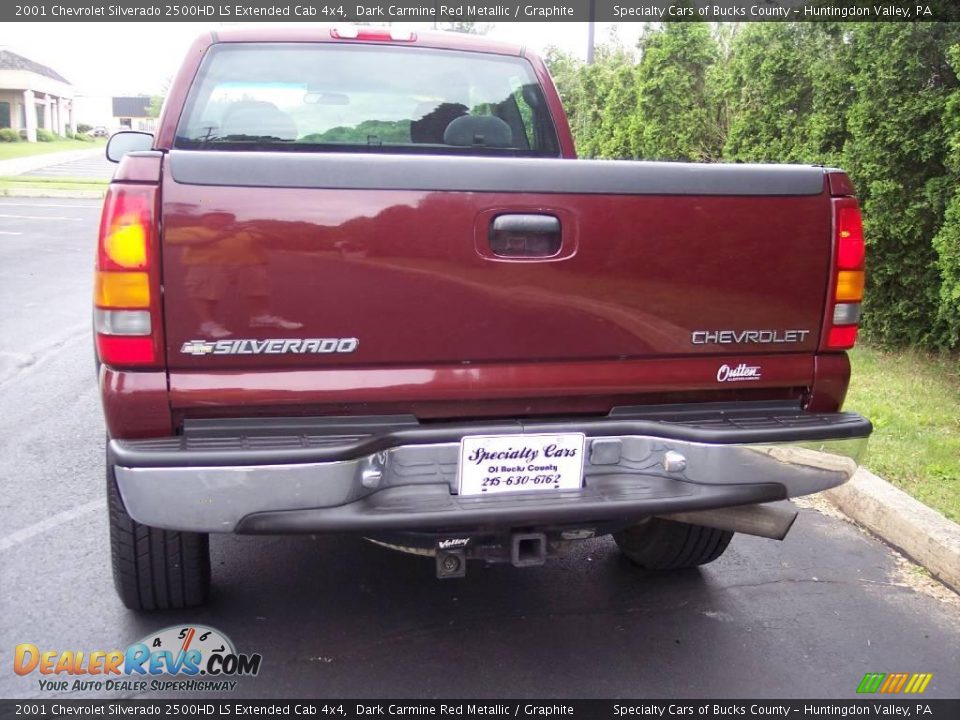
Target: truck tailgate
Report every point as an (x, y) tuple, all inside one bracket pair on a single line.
[(655, 260), (385, 262)]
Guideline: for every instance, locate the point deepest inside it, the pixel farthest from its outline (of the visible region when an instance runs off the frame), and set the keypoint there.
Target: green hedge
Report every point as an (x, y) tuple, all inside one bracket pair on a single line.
[(9, 135), (947, 241)]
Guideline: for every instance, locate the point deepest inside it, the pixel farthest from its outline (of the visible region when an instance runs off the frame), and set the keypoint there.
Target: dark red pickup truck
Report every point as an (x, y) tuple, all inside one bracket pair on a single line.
[(357, 282)]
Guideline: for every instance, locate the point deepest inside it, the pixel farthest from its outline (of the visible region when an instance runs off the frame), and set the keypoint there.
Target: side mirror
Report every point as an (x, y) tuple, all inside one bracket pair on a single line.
[(127, 141)]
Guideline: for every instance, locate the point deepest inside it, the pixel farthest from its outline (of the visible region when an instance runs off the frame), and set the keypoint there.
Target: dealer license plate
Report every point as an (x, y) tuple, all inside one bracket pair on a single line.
[(491, 464)]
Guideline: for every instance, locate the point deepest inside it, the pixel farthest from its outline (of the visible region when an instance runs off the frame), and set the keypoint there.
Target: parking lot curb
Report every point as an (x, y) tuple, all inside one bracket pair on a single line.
[(53, 193), (921, 533)]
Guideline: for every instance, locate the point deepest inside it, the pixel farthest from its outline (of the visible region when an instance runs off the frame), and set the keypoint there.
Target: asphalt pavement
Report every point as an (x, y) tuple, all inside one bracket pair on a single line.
[(335, 616)]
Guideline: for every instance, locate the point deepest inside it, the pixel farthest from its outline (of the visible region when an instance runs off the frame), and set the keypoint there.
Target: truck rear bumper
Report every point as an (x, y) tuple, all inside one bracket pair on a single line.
[(394, 474)]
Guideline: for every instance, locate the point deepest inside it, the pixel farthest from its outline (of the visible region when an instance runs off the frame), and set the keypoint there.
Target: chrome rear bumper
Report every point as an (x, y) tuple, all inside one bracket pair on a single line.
[(228, 478)]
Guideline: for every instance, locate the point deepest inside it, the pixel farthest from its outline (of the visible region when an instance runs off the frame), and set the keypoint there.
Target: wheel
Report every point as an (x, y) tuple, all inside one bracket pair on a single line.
[(155, 569), (659, 544)]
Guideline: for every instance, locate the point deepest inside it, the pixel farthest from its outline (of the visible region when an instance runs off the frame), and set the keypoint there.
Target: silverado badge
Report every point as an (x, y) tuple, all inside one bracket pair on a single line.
[(280, 346)]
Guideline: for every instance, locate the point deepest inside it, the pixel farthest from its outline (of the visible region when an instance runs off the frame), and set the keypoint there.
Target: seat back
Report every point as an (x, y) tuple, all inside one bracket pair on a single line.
[(482, 130)]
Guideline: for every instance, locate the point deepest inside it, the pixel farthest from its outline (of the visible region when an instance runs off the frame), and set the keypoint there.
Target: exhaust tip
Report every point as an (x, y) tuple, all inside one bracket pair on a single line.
[(760, 520)]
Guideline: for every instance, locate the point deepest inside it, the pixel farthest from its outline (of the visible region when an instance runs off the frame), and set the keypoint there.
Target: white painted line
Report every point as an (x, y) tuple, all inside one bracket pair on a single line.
[(39, 217), (14, 539), (4, 232)]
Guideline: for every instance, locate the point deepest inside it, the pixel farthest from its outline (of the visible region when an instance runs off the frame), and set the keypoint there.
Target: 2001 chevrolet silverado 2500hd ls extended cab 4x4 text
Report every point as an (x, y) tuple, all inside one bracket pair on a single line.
[(358, 282)]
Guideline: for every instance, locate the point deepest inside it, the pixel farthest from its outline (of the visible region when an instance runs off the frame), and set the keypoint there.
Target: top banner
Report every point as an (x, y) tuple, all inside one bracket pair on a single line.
[(388, 11)]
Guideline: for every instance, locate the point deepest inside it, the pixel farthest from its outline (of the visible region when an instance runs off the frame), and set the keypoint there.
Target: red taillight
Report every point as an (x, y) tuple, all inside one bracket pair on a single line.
[(125, 351), (383, 34), (126, 296), (850, 245), (847, 280), (126, 228), (842, 337)]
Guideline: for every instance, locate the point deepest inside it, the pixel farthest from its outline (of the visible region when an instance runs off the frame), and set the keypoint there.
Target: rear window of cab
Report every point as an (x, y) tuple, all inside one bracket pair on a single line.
[(365, 98)]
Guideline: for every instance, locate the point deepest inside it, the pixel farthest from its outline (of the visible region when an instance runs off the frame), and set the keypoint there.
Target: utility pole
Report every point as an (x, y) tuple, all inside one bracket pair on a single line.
[(591, 29)]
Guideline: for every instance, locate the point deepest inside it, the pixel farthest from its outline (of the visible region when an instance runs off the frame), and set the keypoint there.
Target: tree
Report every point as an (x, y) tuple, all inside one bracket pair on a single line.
[(588, 92), (897, 155), (567, 73), (675, 116), (787, 87), (156, 101), (947, 241), (618, 103), (156, 104)]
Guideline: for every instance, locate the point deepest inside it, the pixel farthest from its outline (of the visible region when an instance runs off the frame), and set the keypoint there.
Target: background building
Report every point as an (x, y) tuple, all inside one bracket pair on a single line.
[(133, 113), (129, 112), (33, 96)]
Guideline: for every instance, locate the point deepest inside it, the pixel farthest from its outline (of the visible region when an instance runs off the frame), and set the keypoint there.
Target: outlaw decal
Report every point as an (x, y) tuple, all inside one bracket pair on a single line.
[(741, 373), (282, 346)]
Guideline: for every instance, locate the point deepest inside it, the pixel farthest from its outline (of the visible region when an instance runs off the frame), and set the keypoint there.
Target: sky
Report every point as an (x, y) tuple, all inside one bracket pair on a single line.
[(130, 58)]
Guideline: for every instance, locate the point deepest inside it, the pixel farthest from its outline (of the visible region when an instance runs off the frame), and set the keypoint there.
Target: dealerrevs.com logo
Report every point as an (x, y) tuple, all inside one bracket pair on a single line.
[(189, 658)]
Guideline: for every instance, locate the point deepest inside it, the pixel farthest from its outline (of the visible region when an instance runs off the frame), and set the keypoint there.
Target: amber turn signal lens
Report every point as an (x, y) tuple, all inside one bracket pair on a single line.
[(126, 243), (850, 286), (122, 290)]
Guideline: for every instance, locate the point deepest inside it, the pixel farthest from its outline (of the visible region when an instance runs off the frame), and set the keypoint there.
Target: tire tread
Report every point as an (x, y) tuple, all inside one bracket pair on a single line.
[(660, 544), (155, 569)]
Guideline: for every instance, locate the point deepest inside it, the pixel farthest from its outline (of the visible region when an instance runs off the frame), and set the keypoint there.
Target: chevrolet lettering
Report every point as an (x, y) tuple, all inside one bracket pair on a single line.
[(553, 349), (739, 337)]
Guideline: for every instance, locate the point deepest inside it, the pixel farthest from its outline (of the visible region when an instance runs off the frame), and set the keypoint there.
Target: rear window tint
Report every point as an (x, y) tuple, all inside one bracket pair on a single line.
[(365, 98)]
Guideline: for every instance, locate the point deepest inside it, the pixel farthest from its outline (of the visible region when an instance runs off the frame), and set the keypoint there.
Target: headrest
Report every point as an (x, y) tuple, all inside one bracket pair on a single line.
[(478, 130)]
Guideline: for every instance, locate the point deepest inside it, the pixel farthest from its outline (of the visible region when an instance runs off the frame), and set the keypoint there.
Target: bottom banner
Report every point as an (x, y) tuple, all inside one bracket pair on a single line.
[(580, 709)]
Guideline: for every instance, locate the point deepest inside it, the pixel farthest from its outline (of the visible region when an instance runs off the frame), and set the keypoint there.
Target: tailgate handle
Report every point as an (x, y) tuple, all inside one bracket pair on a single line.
[(525, 236)]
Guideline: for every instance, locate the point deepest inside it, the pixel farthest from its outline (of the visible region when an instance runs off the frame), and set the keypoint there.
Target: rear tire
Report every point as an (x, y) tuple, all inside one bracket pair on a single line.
[(155, 569), (660, 544)]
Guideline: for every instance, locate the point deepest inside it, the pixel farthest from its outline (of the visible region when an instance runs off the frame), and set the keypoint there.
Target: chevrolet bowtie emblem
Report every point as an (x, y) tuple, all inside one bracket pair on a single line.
[(197, 347)]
